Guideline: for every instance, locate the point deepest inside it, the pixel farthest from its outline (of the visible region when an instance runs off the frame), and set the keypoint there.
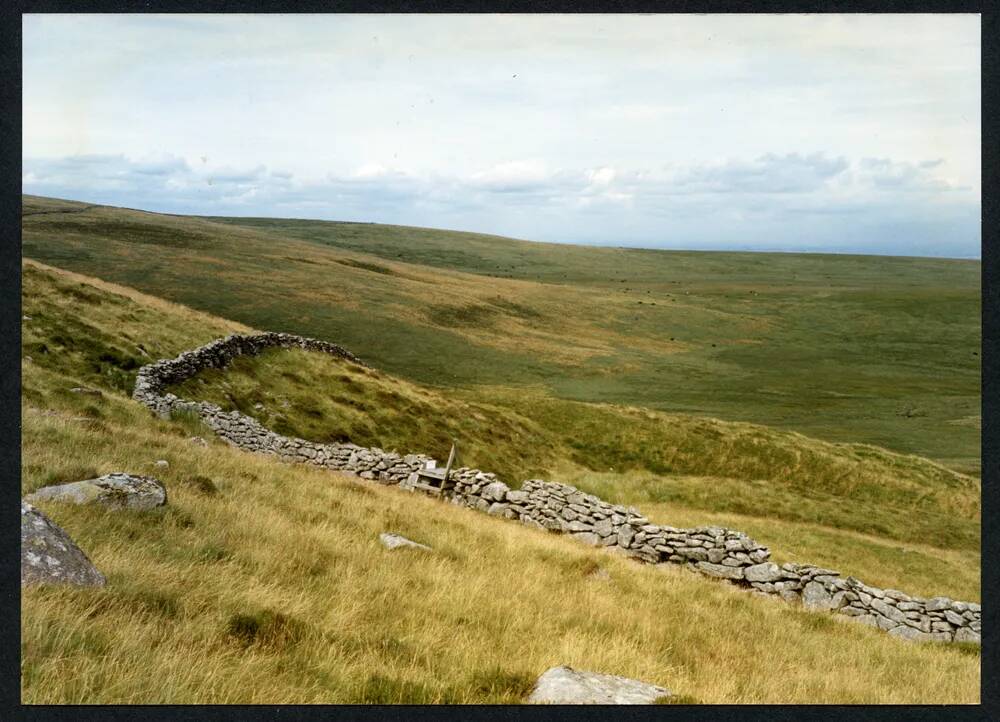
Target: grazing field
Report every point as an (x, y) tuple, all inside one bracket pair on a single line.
[(265, 582), (876, 350)]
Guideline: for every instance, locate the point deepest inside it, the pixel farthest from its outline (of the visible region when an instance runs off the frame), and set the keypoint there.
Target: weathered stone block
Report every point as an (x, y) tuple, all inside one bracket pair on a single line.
[(889, 611), (114, 491), (588, 537), (396, 541), (604, 528), (954, 618), (815, 596), (696, 553), (766, 572), (884, 623), (564, 685), (720, 570), (851, 611), (915, 635), (495, 491), (49, 556), (625, 536), (965, 634), (527, 520)]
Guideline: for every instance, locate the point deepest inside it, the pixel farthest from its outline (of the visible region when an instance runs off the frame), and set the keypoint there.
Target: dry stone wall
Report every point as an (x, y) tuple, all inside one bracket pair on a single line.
[(714, 551)]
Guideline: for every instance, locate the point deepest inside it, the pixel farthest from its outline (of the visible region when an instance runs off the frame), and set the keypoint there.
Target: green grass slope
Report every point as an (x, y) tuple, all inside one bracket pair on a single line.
[(843, 348), (707, 463), (892, 520), (265, 582)]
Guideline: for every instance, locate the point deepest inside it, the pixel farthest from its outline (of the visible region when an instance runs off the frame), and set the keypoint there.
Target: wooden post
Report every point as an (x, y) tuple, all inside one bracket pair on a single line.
[(447, 469)]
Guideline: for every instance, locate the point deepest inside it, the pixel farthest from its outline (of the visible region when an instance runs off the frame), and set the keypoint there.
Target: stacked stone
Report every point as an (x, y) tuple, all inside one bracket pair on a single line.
[(564, 509), (245, 433), (248, 434), (936, 619), (560, 508), (153, 378), (477, 489)]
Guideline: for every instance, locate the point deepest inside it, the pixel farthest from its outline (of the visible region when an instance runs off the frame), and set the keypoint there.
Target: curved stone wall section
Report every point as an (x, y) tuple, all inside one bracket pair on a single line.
[(714, 551)]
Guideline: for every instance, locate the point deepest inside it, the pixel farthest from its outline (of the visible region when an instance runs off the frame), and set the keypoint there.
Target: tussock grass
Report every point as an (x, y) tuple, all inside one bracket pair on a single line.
[(275, 588)]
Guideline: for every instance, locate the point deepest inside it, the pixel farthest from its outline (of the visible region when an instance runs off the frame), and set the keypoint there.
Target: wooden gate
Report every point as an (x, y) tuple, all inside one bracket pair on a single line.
[(434, 481)]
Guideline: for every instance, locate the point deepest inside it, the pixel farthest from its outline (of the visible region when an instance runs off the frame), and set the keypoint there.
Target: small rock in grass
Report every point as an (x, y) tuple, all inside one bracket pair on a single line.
[(115, 491), (49, 556), (397, 541), (565, 685)]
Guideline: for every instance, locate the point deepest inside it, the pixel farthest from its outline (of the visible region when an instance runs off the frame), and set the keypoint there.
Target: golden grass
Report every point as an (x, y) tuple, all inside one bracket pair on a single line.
[(340, 619), (274, 589), (183, 315)]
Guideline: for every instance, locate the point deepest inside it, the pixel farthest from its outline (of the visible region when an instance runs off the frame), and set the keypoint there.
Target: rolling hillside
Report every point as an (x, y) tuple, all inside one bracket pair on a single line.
[(263, 581), (881, 351), (680, 459), (912, 520)]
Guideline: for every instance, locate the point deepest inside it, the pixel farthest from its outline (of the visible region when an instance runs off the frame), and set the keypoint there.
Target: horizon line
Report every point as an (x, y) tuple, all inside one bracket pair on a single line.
[(580, 244)]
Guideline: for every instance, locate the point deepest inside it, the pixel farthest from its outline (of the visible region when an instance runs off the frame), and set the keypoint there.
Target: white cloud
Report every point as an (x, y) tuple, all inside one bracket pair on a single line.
[(616, 128), (600, 177), (370, 170), (643, 111), (517, 175)]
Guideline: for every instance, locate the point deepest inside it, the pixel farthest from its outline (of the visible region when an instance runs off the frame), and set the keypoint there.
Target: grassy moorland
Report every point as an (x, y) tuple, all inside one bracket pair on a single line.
[(912, 518), (882, 351), (265, 582), (643, 455)]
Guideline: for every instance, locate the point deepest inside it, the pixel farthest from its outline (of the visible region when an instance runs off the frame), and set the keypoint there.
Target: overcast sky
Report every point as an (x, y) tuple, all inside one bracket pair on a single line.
[(768, 132)]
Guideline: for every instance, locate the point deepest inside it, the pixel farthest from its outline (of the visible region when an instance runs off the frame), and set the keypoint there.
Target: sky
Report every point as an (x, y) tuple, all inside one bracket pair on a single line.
[(818, 133)]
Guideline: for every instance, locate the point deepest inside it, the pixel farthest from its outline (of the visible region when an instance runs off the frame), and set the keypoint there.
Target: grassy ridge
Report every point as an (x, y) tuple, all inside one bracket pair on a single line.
[(843, 348), (86, 333), (707, 463), (264, 582)]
